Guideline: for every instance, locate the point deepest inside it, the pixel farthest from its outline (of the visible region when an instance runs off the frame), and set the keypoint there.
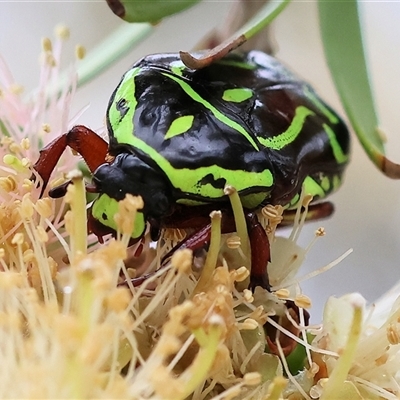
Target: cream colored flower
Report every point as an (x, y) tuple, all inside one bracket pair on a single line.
[(73, 325)]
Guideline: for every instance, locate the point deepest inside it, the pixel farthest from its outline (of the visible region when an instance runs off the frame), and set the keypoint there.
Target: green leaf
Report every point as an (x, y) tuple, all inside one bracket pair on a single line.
[(344, 51), (149, 10), (111, 49), (341, 34)]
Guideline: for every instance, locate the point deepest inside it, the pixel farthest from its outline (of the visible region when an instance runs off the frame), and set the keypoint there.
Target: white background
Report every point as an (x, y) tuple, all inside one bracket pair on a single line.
[(367, 216)]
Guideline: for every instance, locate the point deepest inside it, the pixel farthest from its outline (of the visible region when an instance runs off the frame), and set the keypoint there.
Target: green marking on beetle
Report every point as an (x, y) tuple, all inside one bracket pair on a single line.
[(237, 95), (104, 209), (126, 91), (179, 125), (237, 64), (177, 67), (338, 153), (325, 183), (241, 180), (285, 138), (253, 200), (294, 200), (336, 182), (217, 114), (333, 119), (311, 187)]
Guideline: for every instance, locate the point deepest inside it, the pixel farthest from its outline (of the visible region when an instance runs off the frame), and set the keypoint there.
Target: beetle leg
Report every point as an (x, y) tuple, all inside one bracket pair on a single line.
[(83, 140), (287, 343), (260, 253), (193, 242), (259, 243), (314, 212)]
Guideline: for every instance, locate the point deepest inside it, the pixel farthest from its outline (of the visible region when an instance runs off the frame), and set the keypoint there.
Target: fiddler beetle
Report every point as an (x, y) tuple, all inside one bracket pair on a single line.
[(178, 137)]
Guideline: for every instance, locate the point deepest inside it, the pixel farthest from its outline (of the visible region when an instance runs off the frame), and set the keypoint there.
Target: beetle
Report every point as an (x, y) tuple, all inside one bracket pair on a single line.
[(178, 137)]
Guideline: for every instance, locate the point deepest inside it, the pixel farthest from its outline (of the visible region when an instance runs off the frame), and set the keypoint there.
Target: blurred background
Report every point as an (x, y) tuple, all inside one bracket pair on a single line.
[(367, 217)]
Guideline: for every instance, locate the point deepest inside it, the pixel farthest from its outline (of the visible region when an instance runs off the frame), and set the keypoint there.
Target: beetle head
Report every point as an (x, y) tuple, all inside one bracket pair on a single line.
[(128, 174)]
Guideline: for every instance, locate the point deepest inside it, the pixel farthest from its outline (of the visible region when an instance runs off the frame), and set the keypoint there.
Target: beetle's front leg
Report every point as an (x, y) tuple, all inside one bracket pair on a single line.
[(83, 140)]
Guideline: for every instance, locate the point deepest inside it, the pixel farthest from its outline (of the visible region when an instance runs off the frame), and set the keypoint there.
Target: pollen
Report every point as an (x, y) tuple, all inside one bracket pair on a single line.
[(44, 207), (252, 378), (14, 147), (241, 274), (125, 216), (393, 334), (11, 280), (233, 242), (229, 190), (248, 295), (62, 31), (8, 184), (49, 60), (25, 144), (47, 45), (174, 235), (46, 128), (273, 213), (302, 301), (25, 162), (29, 256), (282, 293), (18, 239), (314, 369), (320, 232), (80, 52), (248, 324), (118, 300), (16, 88), (41, 234), (26, 209), (182, 260)]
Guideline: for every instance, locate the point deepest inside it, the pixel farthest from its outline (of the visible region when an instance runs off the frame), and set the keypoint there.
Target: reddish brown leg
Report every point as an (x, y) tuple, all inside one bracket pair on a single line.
[(288, 344), (84, 141), (315, 211), (260, 249), (260, 253)]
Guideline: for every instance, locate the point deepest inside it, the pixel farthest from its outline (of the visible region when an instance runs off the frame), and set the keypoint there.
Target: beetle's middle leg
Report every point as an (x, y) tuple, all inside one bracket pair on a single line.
[(314, 212), (259, 245)]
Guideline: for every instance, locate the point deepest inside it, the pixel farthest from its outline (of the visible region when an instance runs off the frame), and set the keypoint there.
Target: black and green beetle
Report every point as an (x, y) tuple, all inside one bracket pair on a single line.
[(178, 136)]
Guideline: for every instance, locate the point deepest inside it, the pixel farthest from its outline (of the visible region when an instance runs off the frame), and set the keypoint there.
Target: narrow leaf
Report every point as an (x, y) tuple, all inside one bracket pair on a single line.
[(149, 10), (344, 51)]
